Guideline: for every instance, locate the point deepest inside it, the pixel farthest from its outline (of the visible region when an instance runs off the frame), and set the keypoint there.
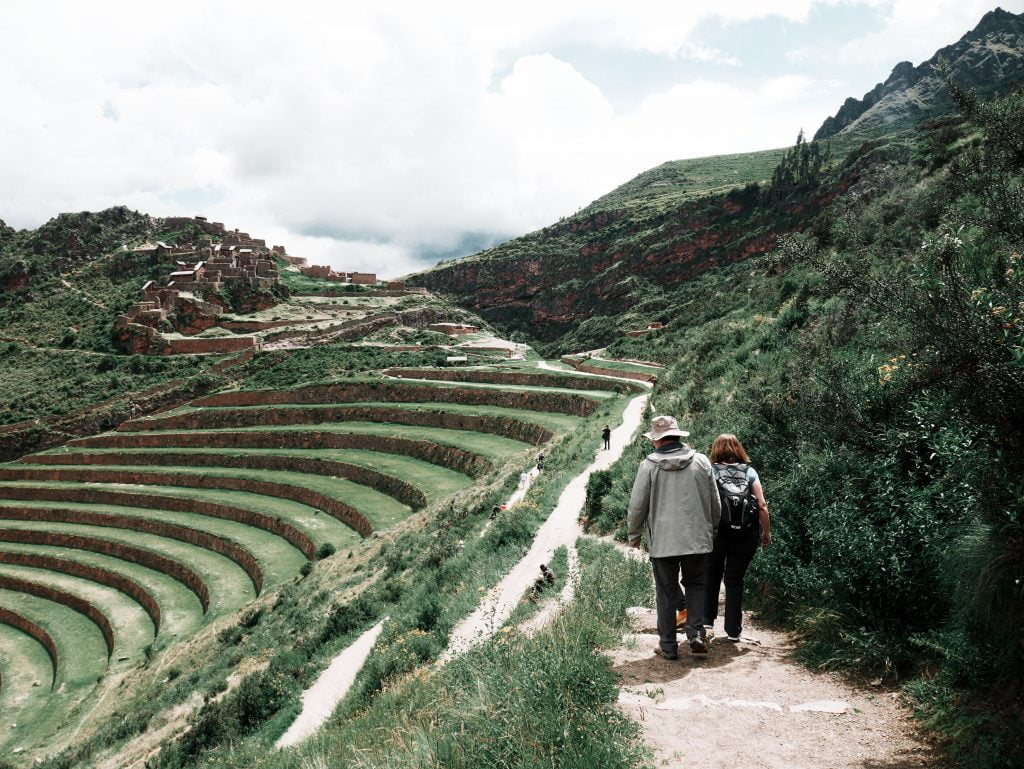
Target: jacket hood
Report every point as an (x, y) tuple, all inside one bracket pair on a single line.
[(676, 458)]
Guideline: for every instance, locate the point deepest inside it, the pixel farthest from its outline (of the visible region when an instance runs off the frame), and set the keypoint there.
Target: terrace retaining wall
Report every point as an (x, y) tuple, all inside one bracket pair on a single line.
[(344, 513), (386, 484), (452, 457), (31, 629), (72, 601), (173, 569), (129, 587), (508, 427), (590, 368), (523, 378), (90, 495), (214, 345), (251, 326), (393, 392), (213, 542)]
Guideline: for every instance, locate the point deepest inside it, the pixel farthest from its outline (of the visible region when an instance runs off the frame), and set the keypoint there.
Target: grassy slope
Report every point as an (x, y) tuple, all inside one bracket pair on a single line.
[(859, 364), (664, 227)]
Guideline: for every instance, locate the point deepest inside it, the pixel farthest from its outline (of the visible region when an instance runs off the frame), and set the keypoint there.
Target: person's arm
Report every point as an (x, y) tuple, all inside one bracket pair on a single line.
[(639, 505), (762, 512)]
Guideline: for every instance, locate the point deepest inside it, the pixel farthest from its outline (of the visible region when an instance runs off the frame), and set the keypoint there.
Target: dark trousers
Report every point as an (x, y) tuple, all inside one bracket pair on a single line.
[(668, 594), (729, 560)]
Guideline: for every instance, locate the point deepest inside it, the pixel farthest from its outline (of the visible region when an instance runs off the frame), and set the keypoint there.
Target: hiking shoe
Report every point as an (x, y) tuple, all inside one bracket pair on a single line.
[(699, 645), (664, 654), (680, 619)]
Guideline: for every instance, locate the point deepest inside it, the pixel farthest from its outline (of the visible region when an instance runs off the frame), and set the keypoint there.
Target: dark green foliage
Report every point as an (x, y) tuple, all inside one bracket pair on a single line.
[(76, 380), (325, 551), (230, 636), (799, 171), (875, 372), (287, 368)]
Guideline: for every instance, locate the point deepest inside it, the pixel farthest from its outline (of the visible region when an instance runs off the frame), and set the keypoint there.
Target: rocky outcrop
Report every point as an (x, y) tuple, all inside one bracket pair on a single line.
[(988, 59)]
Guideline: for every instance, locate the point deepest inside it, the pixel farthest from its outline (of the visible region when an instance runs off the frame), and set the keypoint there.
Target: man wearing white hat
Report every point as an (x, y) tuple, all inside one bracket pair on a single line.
[(675, 506)]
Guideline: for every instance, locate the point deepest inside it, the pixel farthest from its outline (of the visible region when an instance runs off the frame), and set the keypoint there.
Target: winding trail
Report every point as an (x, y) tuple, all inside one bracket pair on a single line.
[(319, 700), (751, 705), (561, 529)]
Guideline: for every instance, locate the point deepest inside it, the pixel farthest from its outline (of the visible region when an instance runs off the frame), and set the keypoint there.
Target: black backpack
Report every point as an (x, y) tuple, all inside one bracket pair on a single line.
[(739, 505)]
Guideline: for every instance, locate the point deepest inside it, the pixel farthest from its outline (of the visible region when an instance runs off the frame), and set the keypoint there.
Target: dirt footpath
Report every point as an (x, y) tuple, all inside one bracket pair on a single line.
[(750, 706)]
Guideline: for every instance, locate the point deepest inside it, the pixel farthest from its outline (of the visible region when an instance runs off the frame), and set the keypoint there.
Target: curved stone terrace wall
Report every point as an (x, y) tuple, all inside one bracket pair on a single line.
[(124, 498), (386, 484), (451, 457), (508, 427), (343, 512), (97, 574), (592, 368), (204, 539), (143, 557), (522, 378), (394, 392), (72, 601), (31, 629)]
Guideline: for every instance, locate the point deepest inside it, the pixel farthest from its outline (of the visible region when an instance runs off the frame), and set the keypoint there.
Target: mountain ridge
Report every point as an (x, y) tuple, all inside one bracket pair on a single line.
[(985, 59)]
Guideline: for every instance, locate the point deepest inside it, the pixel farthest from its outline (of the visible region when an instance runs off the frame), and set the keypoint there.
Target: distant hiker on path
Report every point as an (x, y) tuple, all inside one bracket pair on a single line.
[(745, 524), (606, 436), (676, 507)]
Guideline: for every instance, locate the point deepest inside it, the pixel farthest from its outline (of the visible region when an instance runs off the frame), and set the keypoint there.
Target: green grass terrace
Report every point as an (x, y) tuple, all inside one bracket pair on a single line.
[(116, 546)]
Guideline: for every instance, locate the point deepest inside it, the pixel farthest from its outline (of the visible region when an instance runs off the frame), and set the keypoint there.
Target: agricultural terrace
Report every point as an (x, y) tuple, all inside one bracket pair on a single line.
[(114, 547)]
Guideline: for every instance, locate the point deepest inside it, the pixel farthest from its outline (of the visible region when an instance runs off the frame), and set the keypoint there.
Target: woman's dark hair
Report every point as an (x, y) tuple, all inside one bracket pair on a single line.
[(727, 449)]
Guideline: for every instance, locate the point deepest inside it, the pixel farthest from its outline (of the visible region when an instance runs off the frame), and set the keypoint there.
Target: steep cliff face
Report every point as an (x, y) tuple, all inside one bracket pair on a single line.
[(601, 264), (989, 59)]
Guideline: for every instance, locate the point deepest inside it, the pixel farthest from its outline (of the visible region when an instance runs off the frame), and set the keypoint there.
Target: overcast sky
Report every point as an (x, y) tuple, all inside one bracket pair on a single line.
[(385, 135)]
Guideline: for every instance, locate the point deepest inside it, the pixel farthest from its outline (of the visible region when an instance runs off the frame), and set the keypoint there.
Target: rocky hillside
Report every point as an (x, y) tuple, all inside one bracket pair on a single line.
[(663, 228), (988, 59)]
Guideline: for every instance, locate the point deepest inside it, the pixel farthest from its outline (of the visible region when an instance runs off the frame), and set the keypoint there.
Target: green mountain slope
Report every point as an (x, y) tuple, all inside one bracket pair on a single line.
[(662, 228)]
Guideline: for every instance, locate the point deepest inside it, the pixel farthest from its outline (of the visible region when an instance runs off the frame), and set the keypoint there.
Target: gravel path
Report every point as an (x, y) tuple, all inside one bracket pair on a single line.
[(751, 706), (560, 530), (319, 701)]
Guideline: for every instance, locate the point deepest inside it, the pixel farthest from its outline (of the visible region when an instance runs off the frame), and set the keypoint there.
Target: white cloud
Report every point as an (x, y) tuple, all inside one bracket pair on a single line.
[(363, 134), (916, 29)]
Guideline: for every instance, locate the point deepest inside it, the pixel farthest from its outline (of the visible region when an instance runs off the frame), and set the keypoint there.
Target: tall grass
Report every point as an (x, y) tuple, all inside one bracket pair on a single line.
[(544, 701)]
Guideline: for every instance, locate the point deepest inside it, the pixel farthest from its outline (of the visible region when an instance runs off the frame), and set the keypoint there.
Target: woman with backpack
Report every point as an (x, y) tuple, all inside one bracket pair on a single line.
[(744, 525)]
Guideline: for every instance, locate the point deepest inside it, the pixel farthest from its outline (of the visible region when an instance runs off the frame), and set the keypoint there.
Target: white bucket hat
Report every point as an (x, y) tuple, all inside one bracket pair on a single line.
[(665, 427)]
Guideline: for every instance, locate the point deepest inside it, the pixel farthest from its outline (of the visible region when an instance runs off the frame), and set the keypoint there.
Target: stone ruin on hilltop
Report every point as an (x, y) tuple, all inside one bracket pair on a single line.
[(235, 274)]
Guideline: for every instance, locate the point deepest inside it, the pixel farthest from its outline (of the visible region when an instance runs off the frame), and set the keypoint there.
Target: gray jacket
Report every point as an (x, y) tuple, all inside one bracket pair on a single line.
[(675, 503)]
